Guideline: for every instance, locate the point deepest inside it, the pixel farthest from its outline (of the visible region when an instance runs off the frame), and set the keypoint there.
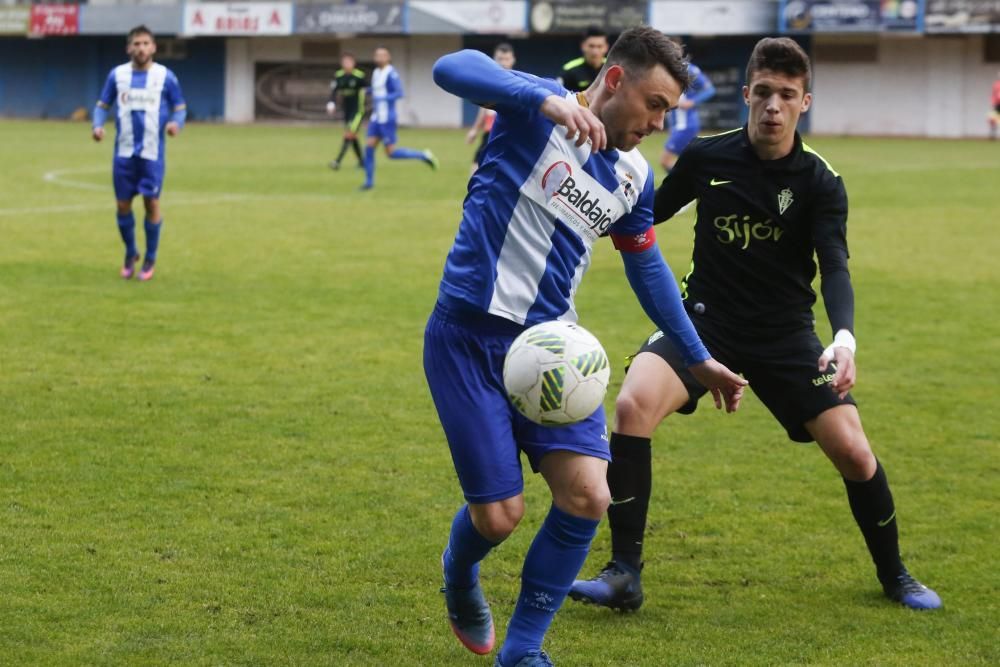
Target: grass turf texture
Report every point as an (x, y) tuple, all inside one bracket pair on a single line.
[(239, 463)]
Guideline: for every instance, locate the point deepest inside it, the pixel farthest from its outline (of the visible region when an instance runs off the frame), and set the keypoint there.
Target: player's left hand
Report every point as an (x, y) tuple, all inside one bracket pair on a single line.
[(173, 128), (846, 372)]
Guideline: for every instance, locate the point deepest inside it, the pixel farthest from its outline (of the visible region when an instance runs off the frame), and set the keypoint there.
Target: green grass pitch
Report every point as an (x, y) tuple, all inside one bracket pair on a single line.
[(238, 463)]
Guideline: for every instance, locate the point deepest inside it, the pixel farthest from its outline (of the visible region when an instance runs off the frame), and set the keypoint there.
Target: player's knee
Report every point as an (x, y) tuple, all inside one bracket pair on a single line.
[(124, 207), (496, 521), (635, 413), (589, 501), (854, 459)]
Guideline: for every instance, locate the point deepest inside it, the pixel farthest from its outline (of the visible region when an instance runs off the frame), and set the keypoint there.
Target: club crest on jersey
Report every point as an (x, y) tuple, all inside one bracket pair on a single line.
[(784, 200), (628, 187)]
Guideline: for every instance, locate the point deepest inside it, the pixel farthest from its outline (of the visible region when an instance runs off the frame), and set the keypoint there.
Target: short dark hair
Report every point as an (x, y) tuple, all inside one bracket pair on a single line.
[(503, 47), (348, 54), (641, 48), (139, 30), (782, 55), (594, 31)]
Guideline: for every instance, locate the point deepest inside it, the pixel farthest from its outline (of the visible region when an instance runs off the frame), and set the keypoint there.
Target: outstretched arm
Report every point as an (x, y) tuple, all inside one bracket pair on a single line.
[(477, 78)]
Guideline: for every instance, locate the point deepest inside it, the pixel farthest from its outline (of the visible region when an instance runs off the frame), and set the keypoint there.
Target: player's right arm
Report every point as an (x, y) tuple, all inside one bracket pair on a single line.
[(104, 103), (677, 190), (476, 77), (331, 104)]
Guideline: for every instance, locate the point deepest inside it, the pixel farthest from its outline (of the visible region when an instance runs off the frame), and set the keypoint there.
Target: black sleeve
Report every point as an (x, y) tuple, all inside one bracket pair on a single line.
[(333, 91), (829, 217), (677, 189), (569, 80)]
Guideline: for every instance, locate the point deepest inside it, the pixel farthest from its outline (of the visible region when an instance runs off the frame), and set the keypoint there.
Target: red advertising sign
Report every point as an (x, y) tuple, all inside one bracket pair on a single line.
[(54, 20)]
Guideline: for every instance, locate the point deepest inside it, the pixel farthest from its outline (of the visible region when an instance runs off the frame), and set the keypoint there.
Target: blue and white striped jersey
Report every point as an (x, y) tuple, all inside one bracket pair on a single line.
[(386, 89), (535, 207), (146, 100), (700, 90)]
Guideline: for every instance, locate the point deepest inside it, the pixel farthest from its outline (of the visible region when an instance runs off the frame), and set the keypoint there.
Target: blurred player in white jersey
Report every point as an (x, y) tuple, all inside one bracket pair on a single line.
[(386, 89), (150, 103), (684, 122)]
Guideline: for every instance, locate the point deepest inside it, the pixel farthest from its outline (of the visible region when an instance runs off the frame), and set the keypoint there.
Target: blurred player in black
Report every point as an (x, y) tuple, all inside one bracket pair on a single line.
[(579, 73), (767, 203), (349, 86)]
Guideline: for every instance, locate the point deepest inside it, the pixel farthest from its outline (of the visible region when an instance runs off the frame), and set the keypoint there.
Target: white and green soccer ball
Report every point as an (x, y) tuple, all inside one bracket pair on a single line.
[(556, 373)]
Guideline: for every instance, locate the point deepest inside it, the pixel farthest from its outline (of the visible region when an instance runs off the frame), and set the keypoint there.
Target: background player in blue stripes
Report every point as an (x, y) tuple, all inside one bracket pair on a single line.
[(150, 103), (561, 170), (683, 121), (386, 89)]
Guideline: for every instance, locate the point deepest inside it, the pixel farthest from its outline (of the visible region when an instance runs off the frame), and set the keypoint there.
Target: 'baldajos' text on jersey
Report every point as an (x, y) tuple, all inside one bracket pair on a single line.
[(759, 224), (535, 206), (145, 101)]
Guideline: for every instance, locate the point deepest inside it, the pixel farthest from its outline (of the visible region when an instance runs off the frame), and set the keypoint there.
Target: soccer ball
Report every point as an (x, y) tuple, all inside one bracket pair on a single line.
[(556, 373)]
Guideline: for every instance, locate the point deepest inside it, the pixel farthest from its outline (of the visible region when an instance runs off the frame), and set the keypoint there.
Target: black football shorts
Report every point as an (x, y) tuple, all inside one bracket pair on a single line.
[(780, 368)]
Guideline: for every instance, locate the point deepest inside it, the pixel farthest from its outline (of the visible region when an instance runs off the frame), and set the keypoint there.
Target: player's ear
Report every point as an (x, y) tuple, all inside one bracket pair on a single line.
[(746, 95), (806, 102), (613, 77)]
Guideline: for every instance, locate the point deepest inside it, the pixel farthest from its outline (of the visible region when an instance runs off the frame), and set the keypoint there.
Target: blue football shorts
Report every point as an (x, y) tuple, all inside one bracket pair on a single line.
[(386, 132), (137, 176), (679, 139), (463, 361)]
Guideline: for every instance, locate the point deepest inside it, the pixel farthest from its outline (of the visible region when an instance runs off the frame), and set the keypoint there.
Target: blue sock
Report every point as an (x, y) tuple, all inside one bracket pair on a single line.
[(553, 561), (126, 227), (152, 238), (401, 153), (369, 165), (466, 547)]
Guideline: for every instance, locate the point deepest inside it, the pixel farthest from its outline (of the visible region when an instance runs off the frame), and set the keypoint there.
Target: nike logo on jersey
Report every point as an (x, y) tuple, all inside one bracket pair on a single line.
[(715, 182)]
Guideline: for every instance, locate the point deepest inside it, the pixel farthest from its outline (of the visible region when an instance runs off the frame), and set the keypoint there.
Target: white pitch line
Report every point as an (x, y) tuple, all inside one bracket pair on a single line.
[(57, 177)]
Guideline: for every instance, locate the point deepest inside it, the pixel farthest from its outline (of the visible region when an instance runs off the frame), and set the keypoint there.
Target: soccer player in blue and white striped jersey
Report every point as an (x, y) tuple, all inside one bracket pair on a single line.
[(561, 170), (386, 88), (149, 103), (683, 121)]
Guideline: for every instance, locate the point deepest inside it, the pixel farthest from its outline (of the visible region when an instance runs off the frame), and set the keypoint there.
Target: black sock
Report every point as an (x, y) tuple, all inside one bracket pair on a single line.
[(357, 150), (343, 149), (630, 478), (873, 509)]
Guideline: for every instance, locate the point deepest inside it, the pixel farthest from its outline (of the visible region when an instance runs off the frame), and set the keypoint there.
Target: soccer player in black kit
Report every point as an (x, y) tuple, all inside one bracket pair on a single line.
[(349, 86), (577, 75), (766, 204)]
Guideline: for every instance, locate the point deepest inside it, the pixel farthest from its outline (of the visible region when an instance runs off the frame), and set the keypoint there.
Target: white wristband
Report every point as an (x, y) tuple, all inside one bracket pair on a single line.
[(842, 338)]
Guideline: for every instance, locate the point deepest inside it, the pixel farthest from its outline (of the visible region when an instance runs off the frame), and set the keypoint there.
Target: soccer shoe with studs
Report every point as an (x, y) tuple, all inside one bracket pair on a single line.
[(909, 592), (470, 617), (148, 268), (616, 587), (128, 268), (532, 659), (431, 160)]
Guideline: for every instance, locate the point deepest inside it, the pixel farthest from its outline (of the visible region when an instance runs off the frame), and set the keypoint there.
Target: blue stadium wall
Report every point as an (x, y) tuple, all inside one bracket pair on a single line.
[(51, 78)]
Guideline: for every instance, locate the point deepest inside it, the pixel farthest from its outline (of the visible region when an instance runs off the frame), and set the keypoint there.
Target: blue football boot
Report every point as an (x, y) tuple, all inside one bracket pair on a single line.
[(532, 659), (470, 617), (909, 592), (617, 586)]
